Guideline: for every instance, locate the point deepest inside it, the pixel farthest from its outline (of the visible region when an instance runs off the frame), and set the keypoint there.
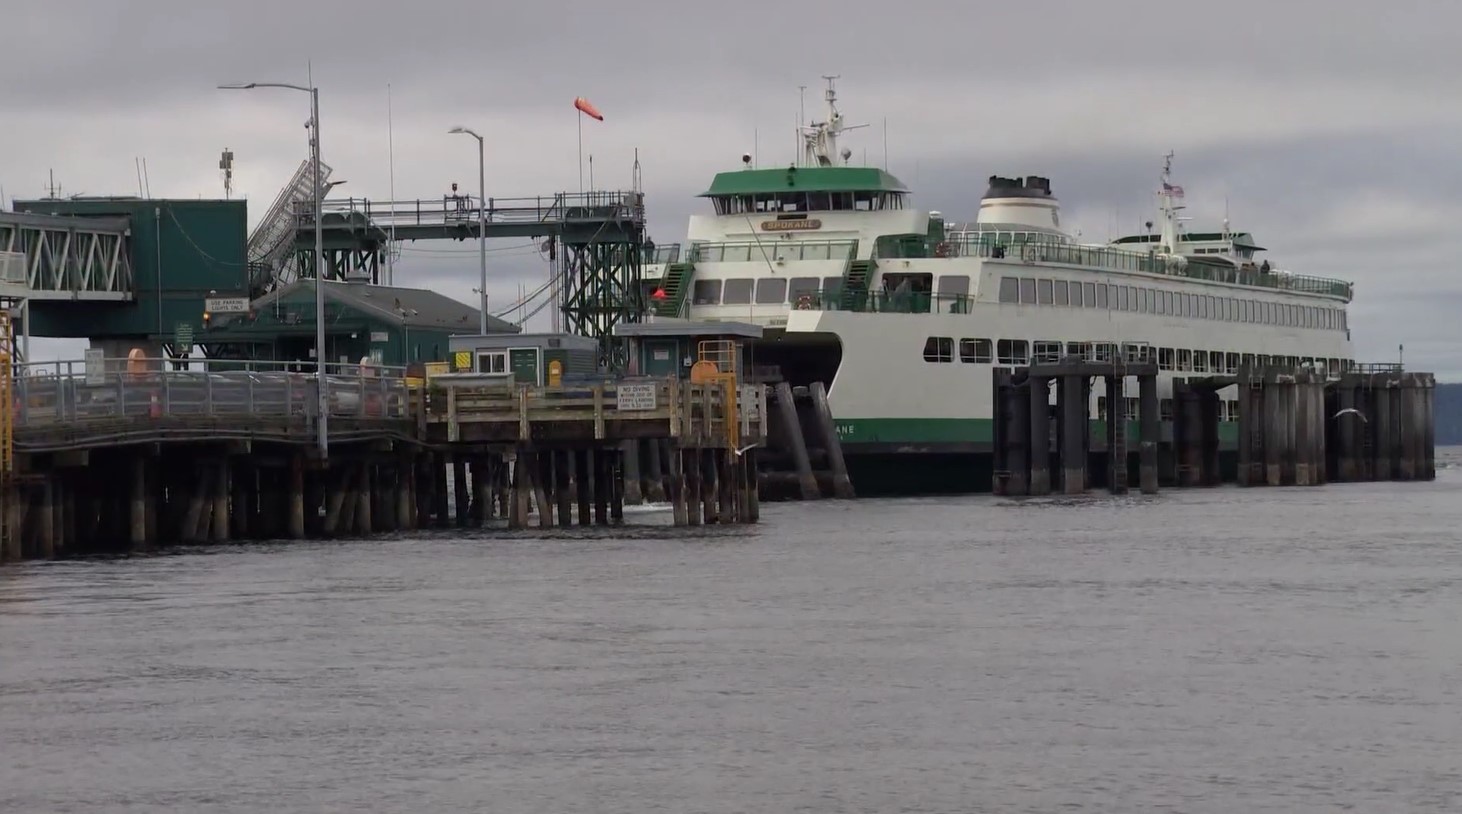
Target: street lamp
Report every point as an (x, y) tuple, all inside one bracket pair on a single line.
[(481, 221), (322, 424)]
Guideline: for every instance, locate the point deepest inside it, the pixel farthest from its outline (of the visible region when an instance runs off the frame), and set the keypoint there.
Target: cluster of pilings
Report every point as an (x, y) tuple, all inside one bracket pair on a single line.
[(803, 459), (1301, 428), (592, 485), (1035, 436)]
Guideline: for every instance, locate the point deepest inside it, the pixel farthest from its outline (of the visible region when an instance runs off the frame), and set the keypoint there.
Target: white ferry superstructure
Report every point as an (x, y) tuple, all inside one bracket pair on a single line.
[(902, 314)]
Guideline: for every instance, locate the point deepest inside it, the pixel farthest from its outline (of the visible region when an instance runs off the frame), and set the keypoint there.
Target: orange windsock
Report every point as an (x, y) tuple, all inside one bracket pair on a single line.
[(584, 107)]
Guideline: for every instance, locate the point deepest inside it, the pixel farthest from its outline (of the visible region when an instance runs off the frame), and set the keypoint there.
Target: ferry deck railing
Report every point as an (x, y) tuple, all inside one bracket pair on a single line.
[(1110, 258)]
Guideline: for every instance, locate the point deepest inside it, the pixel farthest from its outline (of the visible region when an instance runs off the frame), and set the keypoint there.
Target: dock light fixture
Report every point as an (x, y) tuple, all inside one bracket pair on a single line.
[(323, 407), (481, 222)]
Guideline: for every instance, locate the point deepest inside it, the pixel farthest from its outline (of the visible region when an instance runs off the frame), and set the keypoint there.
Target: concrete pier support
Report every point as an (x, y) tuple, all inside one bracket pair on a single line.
[(1074, 407), (1039, 429), (1151, 429)]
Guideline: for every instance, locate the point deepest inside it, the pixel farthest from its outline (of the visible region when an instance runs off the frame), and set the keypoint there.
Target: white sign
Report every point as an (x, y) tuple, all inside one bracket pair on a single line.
[(379, 336), (635, 397), (226, 305), (96, 366)]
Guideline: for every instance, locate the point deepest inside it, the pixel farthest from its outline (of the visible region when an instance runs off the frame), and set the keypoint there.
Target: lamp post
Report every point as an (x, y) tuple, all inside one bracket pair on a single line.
[(481, 221), (322, 424)]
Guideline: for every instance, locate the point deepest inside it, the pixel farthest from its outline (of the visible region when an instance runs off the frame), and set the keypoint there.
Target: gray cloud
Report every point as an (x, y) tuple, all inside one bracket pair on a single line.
[(1325, 125)]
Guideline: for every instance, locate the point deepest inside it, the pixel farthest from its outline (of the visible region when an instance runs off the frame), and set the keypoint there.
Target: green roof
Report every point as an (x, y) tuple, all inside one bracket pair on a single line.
[(804, 179)]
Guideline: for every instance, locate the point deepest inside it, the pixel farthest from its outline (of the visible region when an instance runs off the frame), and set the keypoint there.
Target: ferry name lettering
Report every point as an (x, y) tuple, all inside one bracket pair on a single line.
[(790, 225)]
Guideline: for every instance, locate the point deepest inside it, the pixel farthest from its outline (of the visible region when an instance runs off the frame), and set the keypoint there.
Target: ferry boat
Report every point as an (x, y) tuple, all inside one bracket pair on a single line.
[(902, 313)]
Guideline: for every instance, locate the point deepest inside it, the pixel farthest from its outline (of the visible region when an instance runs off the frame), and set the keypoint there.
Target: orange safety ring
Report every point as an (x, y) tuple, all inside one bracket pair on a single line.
[(804, 303), (941, 249)]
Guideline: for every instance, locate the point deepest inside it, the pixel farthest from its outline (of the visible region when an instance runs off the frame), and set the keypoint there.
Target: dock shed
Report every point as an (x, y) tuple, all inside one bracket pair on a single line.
[(669, 347), (538, 359)]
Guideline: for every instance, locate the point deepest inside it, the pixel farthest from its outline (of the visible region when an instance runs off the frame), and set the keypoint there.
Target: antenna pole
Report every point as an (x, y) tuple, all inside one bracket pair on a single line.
[(391, 181), (885, 144)]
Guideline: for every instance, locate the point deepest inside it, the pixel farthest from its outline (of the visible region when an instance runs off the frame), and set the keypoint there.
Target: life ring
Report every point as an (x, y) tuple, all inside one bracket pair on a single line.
[(804, 303), (941, 249)]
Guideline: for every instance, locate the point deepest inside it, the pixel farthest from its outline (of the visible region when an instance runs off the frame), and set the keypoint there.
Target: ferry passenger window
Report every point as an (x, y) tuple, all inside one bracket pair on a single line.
[(1164, 302), (706, 292), (737, 292), (831, 286), (816, 251), (976, 351), (1012, 352), (1047, 352), (954, 285), (939, 349), (1164, 358), (1122, 297), (1165, 409), (799, 287), (1185, 359), (1044, 291), (1101, 296), (1009, 289), (1088, 293), (1183, 304), (1231, 362), (1200, 361), (771, 291), (1081, 350), (1027, 291), (1149, 299)]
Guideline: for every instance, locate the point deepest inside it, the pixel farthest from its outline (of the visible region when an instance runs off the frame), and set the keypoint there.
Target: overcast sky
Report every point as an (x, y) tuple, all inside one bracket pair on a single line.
[(1330, 128)]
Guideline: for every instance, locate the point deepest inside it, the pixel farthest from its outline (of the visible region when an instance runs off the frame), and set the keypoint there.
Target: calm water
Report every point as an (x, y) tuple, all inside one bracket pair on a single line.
[(1293, 650)]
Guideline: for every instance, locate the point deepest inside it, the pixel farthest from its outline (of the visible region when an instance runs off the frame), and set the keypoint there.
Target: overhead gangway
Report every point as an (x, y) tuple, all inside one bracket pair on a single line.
[(66, 258)]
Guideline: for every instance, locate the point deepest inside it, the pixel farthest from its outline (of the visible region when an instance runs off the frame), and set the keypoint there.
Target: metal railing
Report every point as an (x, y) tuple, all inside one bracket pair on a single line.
[(52, 393), (465, 209), (1110, 258), (772, 250)]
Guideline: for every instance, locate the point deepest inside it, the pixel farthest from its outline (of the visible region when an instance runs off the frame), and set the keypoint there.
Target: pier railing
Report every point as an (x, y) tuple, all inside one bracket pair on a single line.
[(698, 414), (54, 393)]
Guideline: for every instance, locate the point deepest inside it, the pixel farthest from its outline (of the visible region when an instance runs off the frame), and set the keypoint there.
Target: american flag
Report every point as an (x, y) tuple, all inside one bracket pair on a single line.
[(1176, 192)]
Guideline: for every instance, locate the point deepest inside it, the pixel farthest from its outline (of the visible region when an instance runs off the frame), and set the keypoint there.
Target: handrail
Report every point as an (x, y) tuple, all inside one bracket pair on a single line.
[(1111, 258), (466, 209), (64, 393), (773, 250)]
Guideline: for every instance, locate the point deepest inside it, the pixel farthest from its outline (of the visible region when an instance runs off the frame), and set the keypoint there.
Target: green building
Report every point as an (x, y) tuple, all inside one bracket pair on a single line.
[(183, 252), (391, 326)]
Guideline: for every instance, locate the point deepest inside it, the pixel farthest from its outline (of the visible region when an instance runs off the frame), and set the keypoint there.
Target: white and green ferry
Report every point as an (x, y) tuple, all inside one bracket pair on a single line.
[(902, 314)]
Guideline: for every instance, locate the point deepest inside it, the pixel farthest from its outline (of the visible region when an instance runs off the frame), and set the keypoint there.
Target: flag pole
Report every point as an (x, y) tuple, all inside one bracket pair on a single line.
[(580, 118)]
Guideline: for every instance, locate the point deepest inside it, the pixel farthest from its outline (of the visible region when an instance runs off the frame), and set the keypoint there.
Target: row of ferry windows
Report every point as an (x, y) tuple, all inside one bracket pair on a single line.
[(1034, 291), (780, 290), (940, 349)]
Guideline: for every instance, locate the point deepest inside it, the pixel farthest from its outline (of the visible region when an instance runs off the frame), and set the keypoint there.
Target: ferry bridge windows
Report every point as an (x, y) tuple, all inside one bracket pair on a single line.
[(1010, 289), (1044, 292), (771, 291), (737, 291), (939, 349), (975, 351), (1012, 352), (1101, 296), (706, 292), (1063, 292), (799, 287), (1027, 290)]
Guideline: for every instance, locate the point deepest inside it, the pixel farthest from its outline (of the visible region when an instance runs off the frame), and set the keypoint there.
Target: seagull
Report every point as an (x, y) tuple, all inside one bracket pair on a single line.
[(743, 449), (1352, 410)]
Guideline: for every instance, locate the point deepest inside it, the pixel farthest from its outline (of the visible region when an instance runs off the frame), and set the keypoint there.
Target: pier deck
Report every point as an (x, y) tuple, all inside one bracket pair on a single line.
[(107, 457)]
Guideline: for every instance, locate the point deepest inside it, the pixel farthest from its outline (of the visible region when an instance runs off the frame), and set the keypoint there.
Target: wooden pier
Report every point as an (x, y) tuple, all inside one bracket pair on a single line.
[(111, 458)]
